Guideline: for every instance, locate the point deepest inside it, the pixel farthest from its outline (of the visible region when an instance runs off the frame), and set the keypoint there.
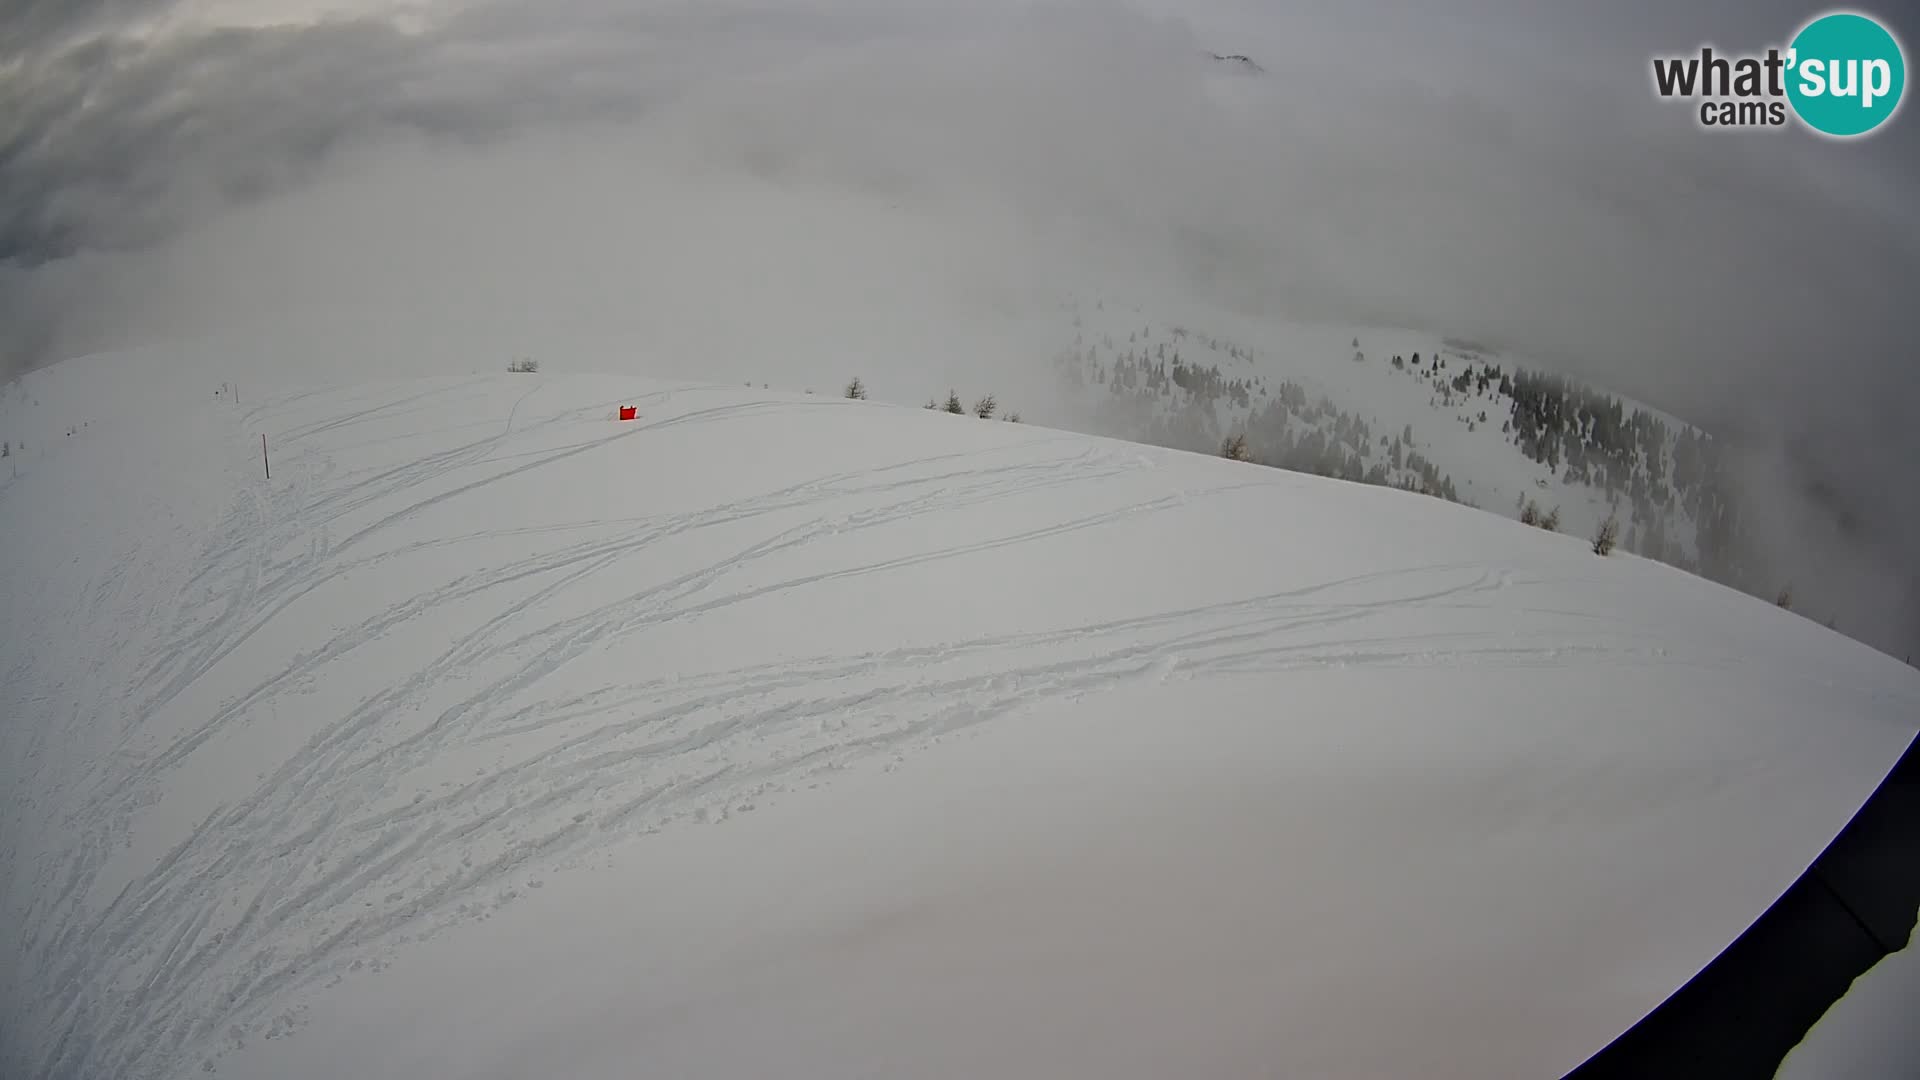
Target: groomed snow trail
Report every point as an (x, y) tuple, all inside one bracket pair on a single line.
[(474, 633)]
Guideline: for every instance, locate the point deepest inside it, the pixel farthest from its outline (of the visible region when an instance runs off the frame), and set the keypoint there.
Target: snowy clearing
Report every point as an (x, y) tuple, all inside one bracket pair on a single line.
[(493, 737)]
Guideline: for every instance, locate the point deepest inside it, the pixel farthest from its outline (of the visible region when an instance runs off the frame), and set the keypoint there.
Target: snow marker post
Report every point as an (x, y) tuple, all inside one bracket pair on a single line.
[(264, 463)]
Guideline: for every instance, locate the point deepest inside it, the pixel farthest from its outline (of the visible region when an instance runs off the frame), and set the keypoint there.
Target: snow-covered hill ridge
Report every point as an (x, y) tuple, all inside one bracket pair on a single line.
[(475, 642), (1418, 411)]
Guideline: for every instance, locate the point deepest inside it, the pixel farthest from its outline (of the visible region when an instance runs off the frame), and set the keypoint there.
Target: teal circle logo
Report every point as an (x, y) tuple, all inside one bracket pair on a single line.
[(1845, 75)]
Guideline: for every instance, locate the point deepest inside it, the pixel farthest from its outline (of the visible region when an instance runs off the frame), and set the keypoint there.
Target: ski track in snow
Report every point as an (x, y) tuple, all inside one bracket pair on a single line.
[(362, 839)]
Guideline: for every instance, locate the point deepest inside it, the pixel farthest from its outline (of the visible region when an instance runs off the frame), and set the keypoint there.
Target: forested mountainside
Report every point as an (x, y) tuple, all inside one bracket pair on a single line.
[(1444, 417)]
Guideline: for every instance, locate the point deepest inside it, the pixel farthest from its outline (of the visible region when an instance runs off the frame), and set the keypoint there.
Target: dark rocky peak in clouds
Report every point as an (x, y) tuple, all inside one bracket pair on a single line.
[(1239, 62)]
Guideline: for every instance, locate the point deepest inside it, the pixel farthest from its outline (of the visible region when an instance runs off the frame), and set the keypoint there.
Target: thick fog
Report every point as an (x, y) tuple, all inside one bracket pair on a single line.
[(800, 191)]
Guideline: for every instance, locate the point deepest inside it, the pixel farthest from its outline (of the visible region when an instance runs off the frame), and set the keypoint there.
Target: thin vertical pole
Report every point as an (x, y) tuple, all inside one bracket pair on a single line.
[(264, 463)]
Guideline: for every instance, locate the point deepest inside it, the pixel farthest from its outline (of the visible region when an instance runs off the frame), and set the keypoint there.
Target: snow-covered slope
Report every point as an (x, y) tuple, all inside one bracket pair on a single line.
[(1377, 396), (492, 736)]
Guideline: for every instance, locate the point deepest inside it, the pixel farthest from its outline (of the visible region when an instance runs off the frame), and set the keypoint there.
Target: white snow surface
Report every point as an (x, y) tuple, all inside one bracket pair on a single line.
[(783, 734)]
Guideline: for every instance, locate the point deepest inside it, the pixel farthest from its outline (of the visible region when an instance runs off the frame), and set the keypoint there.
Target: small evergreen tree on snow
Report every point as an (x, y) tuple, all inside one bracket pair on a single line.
[(1551, 522), (1235, 447), (857, 390), (984, 407), (1013, 418), (954, 404), (1785, 599), (932, 403)]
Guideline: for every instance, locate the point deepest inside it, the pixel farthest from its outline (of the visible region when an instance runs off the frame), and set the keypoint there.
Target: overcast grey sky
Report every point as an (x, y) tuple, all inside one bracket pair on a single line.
[(474, 171)]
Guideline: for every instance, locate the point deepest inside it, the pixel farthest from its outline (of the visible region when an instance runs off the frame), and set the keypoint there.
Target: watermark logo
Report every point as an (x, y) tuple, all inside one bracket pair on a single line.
[(1842, 75)]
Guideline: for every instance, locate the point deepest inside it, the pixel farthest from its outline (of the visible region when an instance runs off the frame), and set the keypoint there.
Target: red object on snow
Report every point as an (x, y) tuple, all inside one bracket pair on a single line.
[(628, 412)]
